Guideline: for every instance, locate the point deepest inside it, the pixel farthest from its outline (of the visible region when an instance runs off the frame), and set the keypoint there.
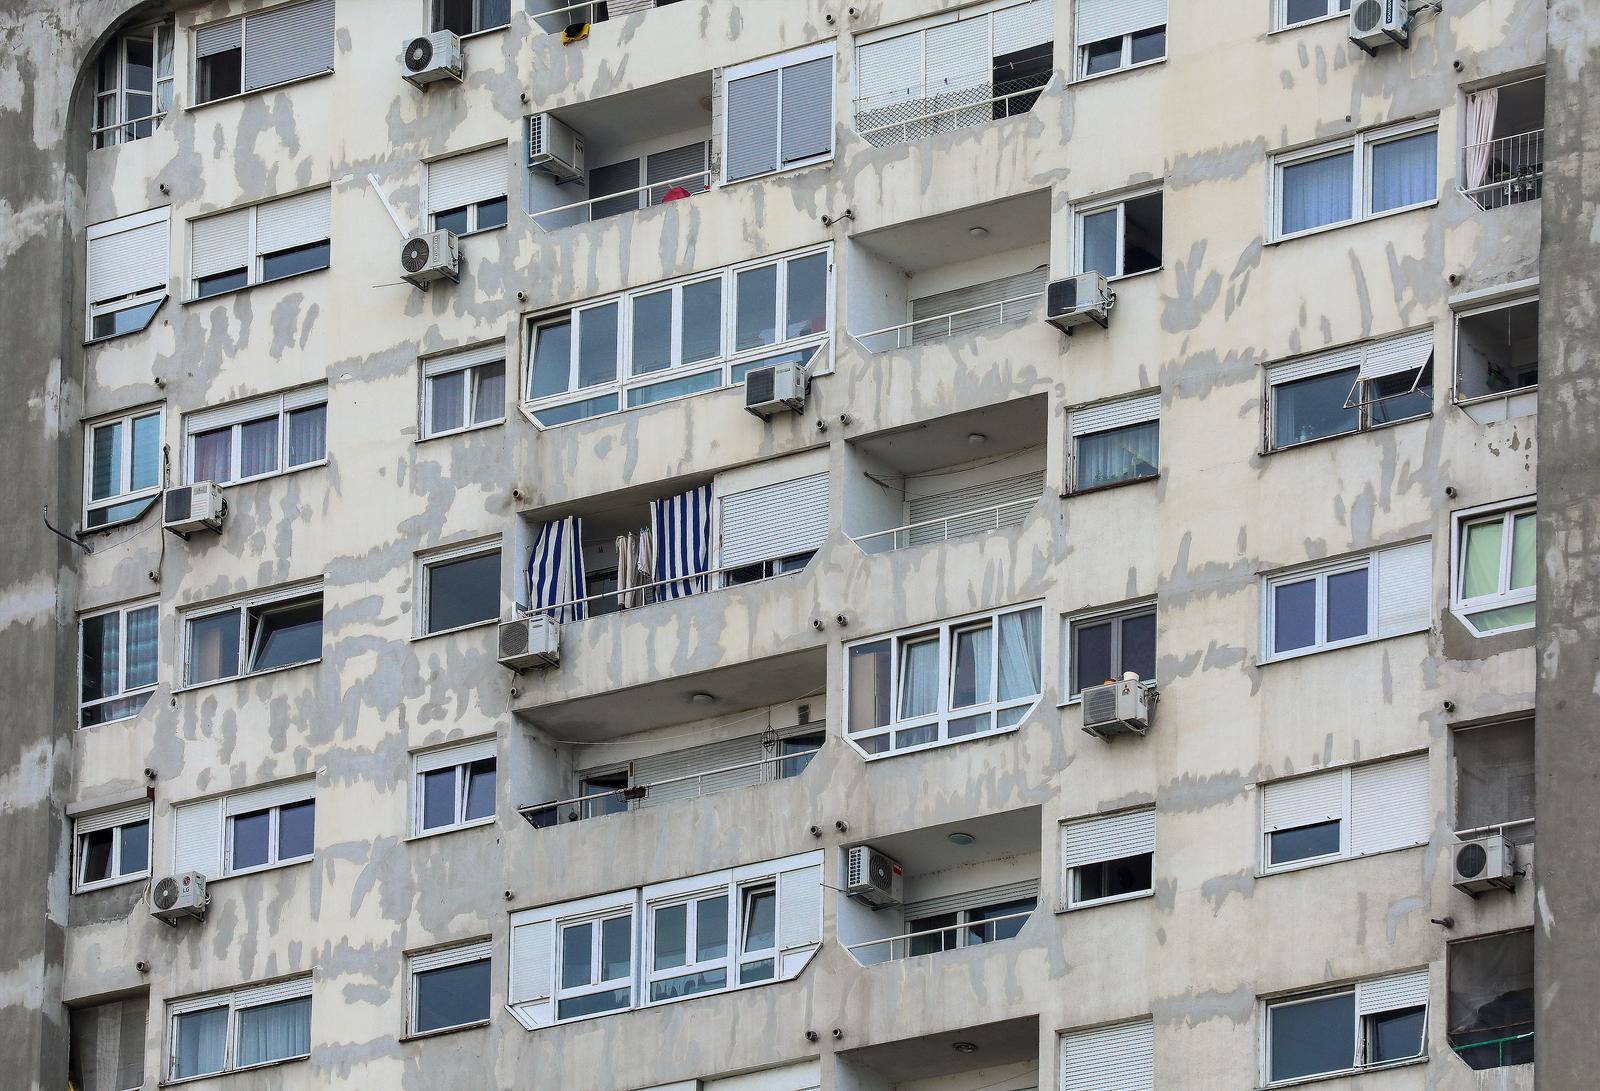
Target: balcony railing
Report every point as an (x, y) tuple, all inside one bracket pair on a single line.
[(656, 193), (978, 521), (931, 941), (542, 816), (938, 327), (902, 120), (1505, 171), (646, 594)]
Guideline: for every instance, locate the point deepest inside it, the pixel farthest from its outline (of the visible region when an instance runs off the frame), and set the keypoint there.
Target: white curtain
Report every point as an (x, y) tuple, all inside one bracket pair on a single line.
[(974, 653), (202, 1042), (447, 410), (1482, 106), (1122, 455), (919, 680), (1020, 658), (258, 447), (308, 432), (272, 1032), (1316, 193)]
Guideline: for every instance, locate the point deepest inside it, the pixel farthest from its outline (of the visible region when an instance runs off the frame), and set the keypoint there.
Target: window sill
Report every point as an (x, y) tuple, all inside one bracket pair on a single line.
[(484, 33), (108, 884), (244, 677), (423, 1035), (189, 107), (1343, 1073), (442, 830), (1301, 653), (1345, 435), (496, 423), (1325, 861), (267, 477), (242, 872), (784, 169), (1302, 24), (232, 1071), (194, 300), (1352, 222), (1120, 899), (479, 231), (468, 627), (1120, 277), (1109, 485), (1141, 66)]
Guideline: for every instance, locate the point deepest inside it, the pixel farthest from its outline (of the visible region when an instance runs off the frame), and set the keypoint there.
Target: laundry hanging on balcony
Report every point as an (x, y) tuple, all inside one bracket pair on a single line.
[(636, 568), (681, 529), (556, 583)]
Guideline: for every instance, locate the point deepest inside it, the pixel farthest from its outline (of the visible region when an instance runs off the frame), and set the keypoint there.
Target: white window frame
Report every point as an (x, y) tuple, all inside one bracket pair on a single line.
[(1506, 513), (1268, 1005), (280, 406), (459, 757), (470, 207), (254, 275), (195, 101), (1320, 573), (234, 1001), (117, 132), (477, 20), (1070, 622), (1359, 147), (280, 597), (1346, 850), (1351, 356), (692, 900), (731, 363), (125, 494), (305, 792), (1126, 63), (739, 930), (1334, 10), (94, 310), (123, 693), (428, 561), (944, 632), (472, 217), (777, 64), (1506, 304), (421, 962), (595, 919), (115, 820), (471, 360), (1069, 899), (1119, 202)]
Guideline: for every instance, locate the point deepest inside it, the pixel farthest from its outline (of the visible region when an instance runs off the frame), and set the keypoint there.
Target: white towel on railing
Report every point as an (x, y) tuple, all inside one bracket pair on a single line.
[(1482, 106)]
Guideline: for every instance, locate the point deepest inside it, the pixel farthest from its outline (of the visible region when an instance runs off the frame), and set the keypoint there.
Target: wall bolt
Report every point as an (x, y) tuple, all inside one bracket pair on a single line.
[(1443, 922), (1457, 65), (811, 1036), (816, 831), (822, 426), (1449, 706), (509, 895), (149, 773), (829, 18), (844, 419), (838, 1034), (142, 966), (1450, 491), (1454, 279), (816, 623), (842, 619), (841, 825)]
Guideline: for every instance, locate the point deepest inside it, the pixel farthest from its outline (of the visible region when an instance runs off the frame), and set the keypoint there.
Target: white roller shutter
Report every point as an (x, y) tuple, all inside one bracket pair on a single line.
[(1396, 355), (693, 761), (450, 956), (958, 55), (752, 127), (274, 795), (219, 244), (1103, 418), (1320, 364), (941, 304), (888, 71), (217, 38), (454, 361), (283, 44), (127, 256), (293, 989), (807, 110), (1113, 837), (1023, 27), (454, 755), (105, 820), (1098, 20), (687, 162), (1302, 801), (467, 179), (800, 907), (223, 416), (532, 962), (293, 221), (197, 838), (1389, 805), (971, 899), (776, 520), (972, 510), (1395, 993), (1405, 588), (1119, 1058)]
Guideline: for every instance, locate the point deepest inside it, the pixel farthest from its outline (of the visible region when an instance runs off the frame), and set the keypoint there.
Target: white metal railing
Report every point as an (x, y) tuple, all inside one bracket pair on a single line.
[(979, 102), (1505, 171), (1493, 827), (646, 594), (691, 786), (978, 521), (588, 8), (700, 178), (929, 329), (905, 941)]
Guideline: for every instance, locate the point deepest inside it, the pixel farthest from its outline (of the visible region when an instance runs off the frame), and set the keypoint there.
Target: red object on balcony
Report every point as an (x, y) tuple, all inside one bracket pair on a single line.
[(676, 193)]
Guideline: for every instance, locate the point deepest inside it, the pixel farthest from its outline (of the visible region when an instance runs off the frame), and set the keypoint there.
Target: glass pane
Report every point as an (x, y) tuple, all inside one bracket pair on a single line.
[(1103, 56), (671, 936), (218, 283), (1126, 454), (711, 929), (141, 647), (762, 969), (1347, 605), (989, 933), (1303, 843), (452, 996), (141, 65), (273, 1032), (105, 475), (286, 635), (252, 835), (1309, 409), (689, 984), (97, 856), (1092, 661), (967, 725), (296, 829), (702, 321), (1404, 171), (1139, 645), (1508, 617), (869, 685), (447, 402), (594, 1003), (146, 472), (213, 458), (1298, 11), (652, 332), (675, 388), (102, 656), (1312, 1036), (969, 673), (756, 308), (807, 296), (438, 798), (1112, 878), (202, 1043), (616, 948), (919, 678), (480, 789), (302, 259), (308, 432), (1480, 565), (463, 592), (597, 345), (576, 411), (1100, 242), (258, 447), (491, 213), (577, 954), (1149, 45), (458, 220), (1316, 193), (552, 359), (1522, 555), (933, 941), (1021, 662), (128, 320), (1395, 1035), (134, 856), (453, 15), (1294, 615), (213, 647), (488, 393), (760, 920)]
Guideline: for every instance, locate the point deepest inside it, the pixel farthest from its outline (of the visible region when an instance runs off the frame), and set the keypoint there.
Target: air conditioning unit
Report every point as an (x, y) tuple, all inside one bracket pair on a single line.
[(1077, 300), (1375, 23), (1484, 863), (532, 641), (431, 58), (190, 508), (1118, 708), (774, 389), (555, 148), (431, 256), (173, 897), (871, 878)]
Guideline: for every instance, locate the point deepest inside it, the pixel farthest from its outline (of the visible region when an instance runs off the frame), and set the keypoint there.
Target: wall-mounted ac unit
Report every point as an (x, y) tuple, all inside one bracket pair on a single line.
[(872, 878), (1377, 23), (186, 509), (173, 897), (432, 57), (1118, 708), (1077, 300), (554, 148), (532, 641), (777, 388), (431, 256), (1484, 863)]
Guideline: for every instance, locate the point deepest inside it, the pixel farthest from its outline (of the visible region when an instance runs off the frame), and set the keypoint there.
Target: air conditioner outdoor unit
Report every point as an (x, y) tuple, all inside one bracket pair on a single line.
[(430, 58), (777, 388), (532, 641), (431, 256), (1077, 300), (1118, 708), (1376, 23), (173, 897), (872, 878), (1484, 863), (554, 148), (186, 509)]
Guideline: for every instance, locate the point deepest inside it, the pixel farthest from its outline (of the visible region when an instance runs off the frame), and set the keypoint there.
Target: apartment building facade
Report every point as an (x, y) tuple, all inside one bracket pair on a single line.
[(528, 713)]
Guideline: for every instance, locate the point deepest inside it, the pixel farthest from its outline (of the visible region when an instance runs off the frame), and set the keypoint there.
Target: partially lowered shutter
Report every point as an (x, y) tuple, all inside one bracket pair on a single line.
[(971, 899), (127, 256), (685, 166), (777, 520), (1023, 27), (1405, 588), (1397, 355), (283, 44), (1320, 364), (888, 72), (699, 770), (752, 136), (975, 306), (1389, 805), (217, 38), (800, 907), (958, 56), (532, 962), (1098, 20), (292, 989), (273, 795), (219, 244), (1112, 837), (1110, 415), (973, 509), (105, 820), (467, 179), (197, 838), (807, 110), (293, 221), (1119, 1058), (1409, 990), (1303, 801)]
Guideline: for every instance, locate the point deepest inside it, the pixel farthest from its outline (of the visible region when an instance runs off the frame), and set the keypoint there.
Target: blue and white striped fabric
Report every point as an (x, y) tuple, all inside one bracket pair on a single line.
[(556, 581), (681, 527)]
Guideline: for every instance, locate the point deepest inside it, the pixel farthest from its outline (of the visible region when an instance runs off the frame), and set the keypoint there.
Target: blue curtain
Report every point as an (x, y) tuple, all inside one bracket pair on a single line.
[(1317, 192), (556, 580), (681, 528), (1404, 172)]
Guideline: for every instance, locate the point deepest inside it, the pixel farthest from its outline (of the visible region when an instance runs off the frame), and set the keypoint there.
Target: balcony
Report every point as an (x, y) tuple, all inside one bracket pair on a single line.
[(930, 280), (1002, 1056), (965, 474), (573, 20), (1502, 162), (1497, 360)]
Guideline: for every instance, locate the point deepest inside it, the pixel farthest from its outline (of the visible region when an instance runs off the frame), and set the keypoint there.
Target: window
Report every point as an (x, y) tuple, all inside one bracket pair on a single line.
[(449, 989), (1125, 1052), (111, 847), (242, 1029), (1102, 647), (263, 49), (932, 928), (1497, 349), (1494, 779), (463, 390), (453, 788), (123, 468), (771, 529), (106, 1045), (1502, 151), (1370, 596), (460, 587), (1343, 813), (1495, 569), (1108, 858), (1491, 1010), (268, 830), (258, 438), (1352, 389), (1114, 34), (650, 180), (117, 652), (1365, 1025), (133, 89), (1119, 238), (1115, 442), (681, 338), (596, 967), (262, 243), (947, 682), (1290, 13), (689, 941), (264, 632), (467, 193), (471, 16), (127, 273), (1371, 173), (779, 113)]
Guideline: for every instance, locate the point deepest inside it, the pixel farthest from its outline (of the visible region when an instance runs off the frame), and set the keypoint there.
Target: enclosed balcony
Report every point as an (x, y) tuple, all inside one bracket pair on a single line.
[(1002, 1056), (1497, 359), (1502, 158)]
